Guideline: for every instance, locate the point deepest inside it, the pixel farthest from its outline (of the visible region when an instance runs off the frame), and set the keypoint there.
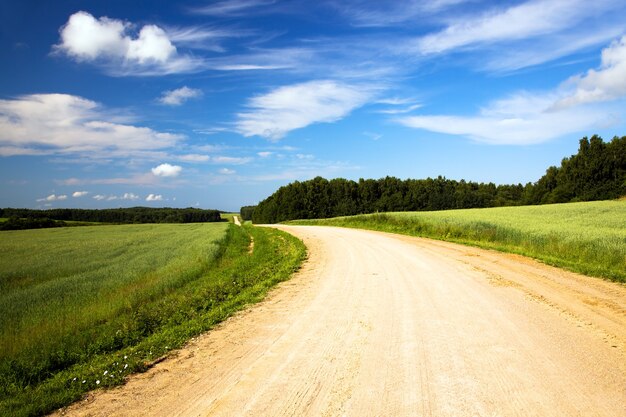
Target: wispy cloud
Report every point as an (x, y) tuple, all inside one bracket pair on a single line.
[(179, 96), (530, 19), (194, 157), (390, 13), (232, 8), (527, 118), (230, 160), (65, 124), (400, 110), (78, 194), (204, 38), (53, 197), (373, 135), (287, 108)]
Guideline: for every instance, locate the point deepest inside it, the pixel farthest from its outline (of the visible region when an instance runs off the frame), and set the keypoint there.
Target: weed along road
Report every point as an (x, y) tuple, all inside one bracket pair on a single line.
[(383, 325)]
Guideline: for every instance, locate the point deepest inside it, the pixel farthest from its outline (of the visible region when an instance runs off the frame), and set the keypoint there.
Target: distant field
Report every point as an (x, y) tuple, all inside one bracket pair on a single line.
[(228, 216), (76, 302), (585, 237)]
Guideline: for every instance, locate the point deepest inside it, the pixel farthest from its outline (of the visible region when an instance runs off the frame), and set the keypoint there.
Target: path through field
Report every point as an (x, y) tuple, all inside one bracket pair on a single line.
[(384, 325)]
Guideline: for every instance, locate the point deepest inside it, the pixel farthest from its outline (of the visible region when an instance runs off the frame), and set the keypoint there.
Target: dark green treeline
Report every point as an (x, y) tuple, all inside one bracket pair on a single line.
[(120, 215), (596, 172)]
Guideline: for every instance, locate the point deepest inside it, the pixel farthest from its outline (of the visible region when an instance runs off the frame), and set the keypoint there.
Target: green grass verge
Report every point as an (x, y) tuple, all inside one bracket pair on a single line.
[(204, 276), (589, 238)]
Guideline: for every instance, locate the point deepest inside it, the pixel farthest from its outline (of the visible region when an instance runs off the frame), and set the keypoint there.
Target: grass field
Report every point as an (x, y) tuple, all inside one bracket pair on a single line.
[(585, 237), (228, 216), (80, 308)]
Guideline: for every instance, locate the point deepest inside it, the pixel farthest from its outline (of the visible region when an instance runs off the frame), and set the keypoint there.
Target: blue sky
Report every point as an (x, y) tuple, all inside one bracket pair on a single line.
[(215, 104)]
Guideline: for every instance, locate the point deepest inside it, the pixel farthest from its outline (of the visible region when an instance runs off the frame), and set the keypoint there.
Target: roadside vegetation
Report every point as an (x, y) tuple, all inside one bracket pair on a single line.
[(81, 308), (584, 237)]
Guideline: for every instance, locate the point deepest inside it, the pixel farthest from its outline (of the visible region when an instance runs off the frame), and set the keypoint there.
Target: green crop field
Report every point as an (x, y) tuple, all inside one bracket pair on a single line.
[(80, 308), (584, 237)]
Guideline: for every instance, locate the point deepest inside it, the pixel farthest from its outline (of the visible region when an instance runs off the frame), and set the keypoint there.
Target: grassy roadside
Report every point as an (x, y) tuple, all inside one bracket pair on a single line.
[(589, 238), (233, 279)]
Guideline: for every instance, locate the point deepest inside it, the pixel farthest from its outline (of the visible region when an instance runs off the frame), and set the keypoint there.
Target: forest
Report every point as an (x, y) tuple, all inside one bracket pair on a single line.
[(596, 172), (39, 218)]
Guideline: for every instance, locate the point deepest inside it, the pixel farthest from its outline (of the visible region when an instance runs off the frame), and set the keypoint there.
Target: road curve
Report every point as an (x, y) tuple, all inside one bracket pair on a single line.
[(384, 325)]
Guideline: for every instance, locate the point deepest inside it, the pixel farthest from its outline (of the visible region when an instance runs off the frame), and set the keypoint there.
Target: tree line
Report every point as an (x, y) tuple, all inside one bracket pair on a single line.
[(119, 215), (596, 172)]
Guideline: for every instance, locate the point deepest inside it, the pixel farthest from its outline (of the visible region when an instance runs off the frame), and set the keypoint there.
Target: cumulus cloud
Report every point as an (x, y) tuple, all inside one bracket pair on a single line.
[(110, 42), (130, 196), (154, 197), (284, 109), (226, 171), (77, 194), (62, 123), (167, 170), (604, 84), (53, 197), (99, 197), (179, 96)]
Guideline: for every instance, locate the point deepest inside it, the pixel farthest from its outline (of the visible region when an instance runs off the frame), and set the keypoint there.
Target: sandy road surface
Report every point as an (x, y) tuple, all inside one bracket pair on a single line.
[(383, 325)]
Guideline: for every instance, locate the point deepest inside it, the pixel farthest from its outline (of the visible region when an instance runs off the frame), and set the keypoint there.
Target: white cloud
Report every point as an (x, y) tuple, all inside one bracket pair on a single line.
[(179, 96), (373, 135), (107, 42), (232, 7), (226, 171), (264, 154), (520, 119), (130, 196), (78, 194), (526, 118), (53, 197), (284, 109), (193, 157), (403, 110), (62, 123), (391, 13), (605, 84), (530, 19), (167, 170), (99, 197), (231, 160), (204, 38), (154, 197)]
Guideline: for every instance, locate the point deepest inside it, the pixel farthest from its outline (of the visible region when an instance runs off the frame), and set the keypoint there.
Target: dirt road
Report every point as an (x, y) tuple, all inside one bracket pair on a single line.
[(383, 325)]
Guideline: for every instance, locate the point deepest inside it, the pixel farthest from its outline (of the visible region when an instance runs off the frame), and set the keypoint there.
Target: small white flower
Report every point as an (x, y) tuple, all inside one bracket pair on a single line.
[(84, 380), (98, 382), (74, 379), (105, 372), (125, 366), (125, 357)]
